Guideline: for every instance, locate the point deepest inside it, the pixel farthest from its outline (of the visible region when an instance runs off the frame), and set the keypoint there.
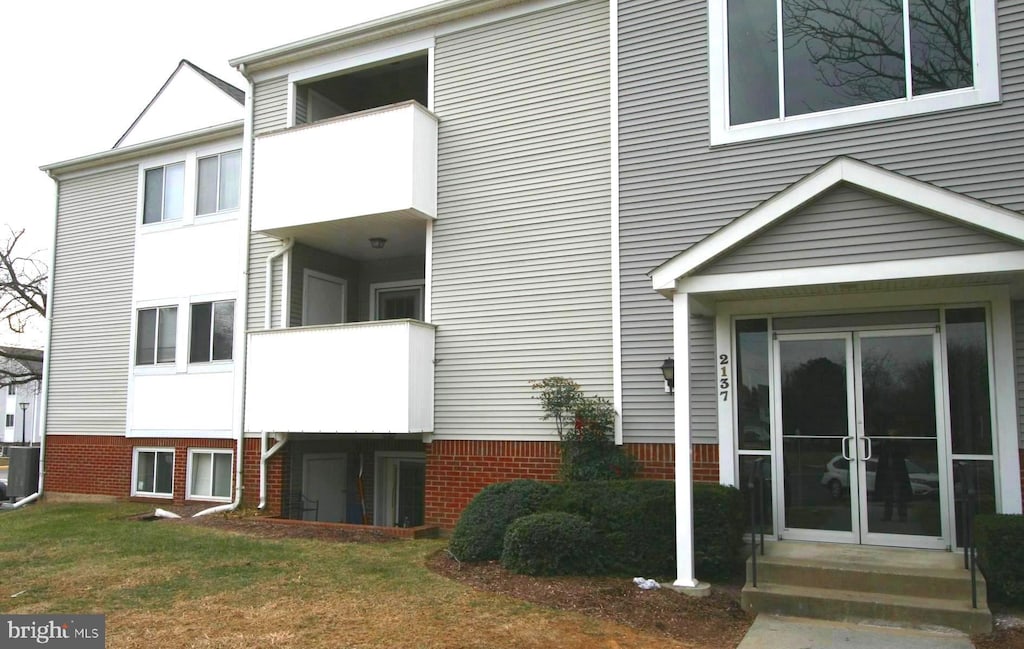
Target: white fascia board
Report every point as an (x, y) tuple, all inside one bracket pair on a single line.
[(953, 265), (433, 14), (914, 193), (64, 168)]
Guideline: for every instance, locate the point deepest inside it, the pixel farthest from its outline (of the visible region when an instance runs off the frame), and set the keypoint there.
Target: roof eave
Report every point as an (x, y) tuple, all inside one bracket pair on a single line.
[(399, 23), (153, 146)]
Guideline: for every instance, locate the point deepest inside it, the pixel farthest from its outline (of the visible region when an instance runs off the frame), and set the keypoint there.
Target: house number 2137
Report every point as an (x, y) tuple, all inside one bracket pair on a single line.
[(723, 377)]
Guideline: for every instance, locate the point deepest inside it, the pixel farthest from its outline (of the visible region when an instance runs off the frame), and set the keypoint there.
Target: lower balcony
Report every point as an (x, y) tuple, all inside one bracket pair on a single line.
[(364, 377)]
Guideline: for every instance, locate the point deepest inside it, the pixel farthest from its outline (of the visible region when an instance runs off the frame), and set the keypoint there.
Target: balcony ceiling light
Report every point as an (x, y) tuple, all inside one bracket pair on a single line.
[(377, 242)]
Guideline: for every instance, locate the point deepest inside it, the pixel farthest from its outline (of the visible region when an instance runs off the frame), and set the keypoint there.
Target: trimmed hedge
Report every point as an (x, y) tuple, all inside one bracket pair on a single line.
[(479, 535), (633, 520), (1001, 555), (551, 543), (719, 521)]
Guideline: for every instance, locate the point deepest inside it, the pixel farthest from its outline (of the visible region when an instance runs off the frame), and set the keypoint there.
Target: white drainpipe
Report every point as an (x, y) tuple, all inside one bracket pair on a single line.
[(46, 358), (241, 314), (286, 245), (266, 454)]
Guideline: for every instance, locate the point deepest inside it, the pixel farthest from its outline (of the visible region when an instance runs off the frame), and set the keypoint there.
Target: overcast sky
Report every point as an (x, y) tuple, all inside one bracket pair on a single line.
[(78, 72)]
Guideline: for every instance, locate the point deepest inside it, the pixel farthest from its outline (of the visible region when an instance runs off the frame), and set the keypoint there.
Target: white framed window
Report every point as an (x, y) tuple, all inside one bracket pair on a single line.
[(12, 389), (217, 182), (396, 300), (9, 421), (211, 331), (838, 63), (209, 474), (164, 197), (153, 472), (156, 334)]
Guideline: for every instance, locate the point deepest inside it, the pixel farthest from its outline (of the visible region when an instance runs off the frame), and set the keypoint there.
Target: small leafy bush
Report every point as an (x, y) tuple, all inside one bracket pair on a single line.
[(551, 543), (480, 532), (1001, 555), (585, 427), (719, 520)]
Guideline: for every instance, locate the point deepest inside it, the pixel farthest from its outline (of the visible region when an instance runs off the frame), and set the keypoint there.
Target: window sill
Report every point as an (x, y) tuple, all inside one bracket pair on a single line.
[(143, 494), (216, 217), (870, 113), (213, 367), (156, 370)]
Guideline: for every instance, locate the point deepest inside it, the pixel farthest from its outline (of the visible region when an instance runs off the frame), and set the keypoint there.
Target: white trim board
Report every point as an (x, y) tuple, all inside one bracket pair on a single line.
[(893, 186)]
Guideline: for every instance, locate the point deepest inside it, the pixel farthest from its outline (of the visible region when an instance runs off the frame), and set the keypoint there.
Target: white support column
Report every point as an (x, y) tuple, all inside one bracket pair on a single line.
[(685, 578), (1007, 435), (727, 469)]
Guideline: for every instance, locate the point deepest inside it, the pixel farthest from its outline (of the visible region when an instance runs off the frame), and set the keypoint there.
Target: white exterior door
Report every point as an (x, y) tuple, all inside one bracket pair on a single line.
[(323, 298), (323, 480)]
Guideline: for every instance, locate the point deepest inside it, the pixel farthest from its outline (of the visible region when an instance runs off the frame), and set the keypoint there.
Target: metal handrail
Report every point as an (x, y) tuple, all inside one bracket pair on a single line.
[(755, 486), (969, 482)]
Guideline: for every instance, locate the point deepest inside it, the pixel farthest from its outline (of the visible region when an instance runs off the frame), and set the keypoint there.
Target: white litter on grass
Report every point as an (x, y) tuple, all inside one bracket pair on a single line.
[(646, 584), (163, 513), (18, 594)]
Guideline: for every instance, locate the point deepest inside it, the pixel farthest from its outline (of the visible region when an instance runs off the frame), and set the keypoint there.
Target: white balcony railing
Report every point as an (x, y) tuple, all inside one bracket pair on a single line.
[(367, 377), (378, 161)]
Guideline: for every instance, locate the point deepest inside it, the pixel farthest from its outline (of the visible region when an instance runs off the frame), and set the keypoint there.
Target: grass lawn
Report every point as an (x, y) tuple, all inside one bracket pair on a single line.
[(173, 584)]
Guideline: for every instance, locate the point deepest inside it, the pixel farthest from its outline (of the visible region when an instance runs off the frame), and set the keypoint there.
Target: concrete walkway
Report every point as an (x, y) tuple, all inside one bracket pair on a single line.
[(775, 632)]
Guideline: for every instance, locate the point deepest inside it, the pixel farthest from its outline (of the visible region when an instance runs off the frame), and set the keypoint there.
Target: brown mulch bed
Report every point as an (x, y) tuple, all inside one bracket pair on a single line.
[(713, 622)]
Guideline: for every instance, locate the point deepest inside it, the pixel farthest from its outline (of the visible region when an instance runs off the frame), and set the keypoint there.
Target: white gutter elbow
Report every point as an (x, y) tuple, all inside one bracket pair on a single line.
[(268, 298), (266, 454)]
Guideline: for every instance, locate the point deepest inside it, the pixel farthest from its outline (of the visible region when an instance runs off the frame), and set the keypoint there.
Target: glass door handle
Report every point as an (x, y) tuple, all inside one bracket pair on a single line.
[(846, 448), (867, 448)]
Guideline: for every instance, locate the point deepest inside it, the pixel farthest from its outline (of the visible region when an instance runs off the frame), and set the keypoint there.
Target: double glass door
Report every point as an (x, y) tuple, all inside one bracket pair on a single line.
[(862, 440)]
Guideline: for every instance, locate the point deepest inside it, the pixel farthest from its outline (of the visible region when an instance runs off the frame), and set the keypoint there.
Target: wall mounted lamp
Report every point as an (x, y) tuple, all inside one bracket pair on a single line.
[(377, 242), (668, 371)]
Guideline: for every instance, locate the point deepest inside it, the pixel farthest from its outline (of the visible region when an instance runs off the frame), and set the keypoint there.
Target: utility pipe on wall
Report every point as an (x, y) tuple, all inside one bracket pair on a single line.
[(266, 454), (268, 299), (241, 314)]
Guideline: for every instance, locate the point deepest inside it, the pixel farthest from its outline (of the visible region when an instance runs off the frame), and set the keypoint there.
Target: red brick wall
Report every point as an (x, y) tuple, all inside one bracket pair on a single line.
[(458, 470), (103, 465)]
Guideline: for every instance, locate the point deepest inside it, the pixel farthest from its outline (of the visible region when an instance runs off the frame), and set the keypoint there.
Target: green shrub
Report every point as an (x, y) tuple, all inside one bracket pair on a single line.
[(1001, 555), (635, 520), (551, 543), (719, 520), (480, 532)]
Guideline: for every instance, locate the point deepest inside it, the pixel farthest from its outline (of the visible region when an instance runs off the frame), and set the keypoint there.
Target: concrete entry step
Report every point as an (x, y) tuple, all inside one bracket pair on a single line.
[(918, 588)]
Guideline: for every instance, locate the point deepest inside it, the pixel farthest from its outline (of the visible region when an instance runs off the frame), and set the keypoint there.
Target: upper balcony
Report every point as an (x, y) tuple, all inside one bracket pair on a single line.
[(315, 177)]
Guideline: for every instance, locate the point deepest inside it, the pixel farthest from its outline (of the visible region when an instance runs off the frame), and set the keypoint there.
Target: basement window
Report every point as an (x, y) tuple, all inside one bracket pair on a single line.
[(153, 473), (374, 86)]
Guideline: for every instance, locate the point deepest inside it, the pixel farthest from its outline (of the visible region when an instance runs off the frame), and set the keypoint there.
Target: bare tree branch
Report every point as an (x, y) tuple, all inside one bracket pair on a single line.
[(23, 285)]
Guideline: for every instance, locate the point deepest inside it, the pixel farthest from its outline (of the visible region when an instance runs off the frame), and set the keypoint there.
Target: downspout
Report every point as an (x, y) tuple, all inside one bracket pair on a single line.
[(268, 299), (265, 455), (44, 398), (242, 309)]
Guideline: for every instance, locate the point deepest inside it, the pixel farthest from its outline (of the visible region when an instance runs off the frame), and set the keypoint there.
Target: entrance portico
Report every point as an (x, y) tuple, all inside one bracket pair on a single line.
[(864, 353)]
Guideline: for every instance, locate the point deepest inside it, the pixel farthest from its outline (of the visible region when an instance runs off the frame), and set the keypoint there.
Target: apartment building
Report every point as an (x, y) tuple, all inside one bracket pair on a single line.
[(451, 202)]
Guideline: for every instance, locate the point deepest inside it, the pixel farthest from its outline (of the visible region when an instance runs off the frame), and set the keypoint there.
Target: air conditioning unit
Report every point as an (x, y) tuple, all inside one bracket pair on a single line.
[(23, 472)]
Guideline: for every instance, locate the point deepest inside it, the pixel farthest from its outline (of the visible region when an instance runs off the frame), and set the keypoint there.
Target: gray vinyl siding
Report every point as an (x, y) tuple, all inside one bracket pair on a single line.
[(676, 189), (1018, 361), (91, 310), (270, 112), (262, 246), (270, 105), (849, 226), (521, 247)]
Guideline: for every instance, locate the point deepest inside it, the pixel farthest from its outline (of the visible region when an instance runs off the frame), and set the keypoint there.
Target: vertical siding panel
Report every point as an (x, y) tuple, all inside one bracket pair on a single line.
[(1018, 357), (676, 189), (92, 303), (521, 248)]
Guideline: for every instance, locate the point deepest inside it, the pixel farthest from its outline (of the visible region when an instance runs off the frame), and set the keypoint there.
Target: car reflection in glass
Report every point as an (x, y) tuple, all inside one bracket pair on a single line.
[(837, 477)]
